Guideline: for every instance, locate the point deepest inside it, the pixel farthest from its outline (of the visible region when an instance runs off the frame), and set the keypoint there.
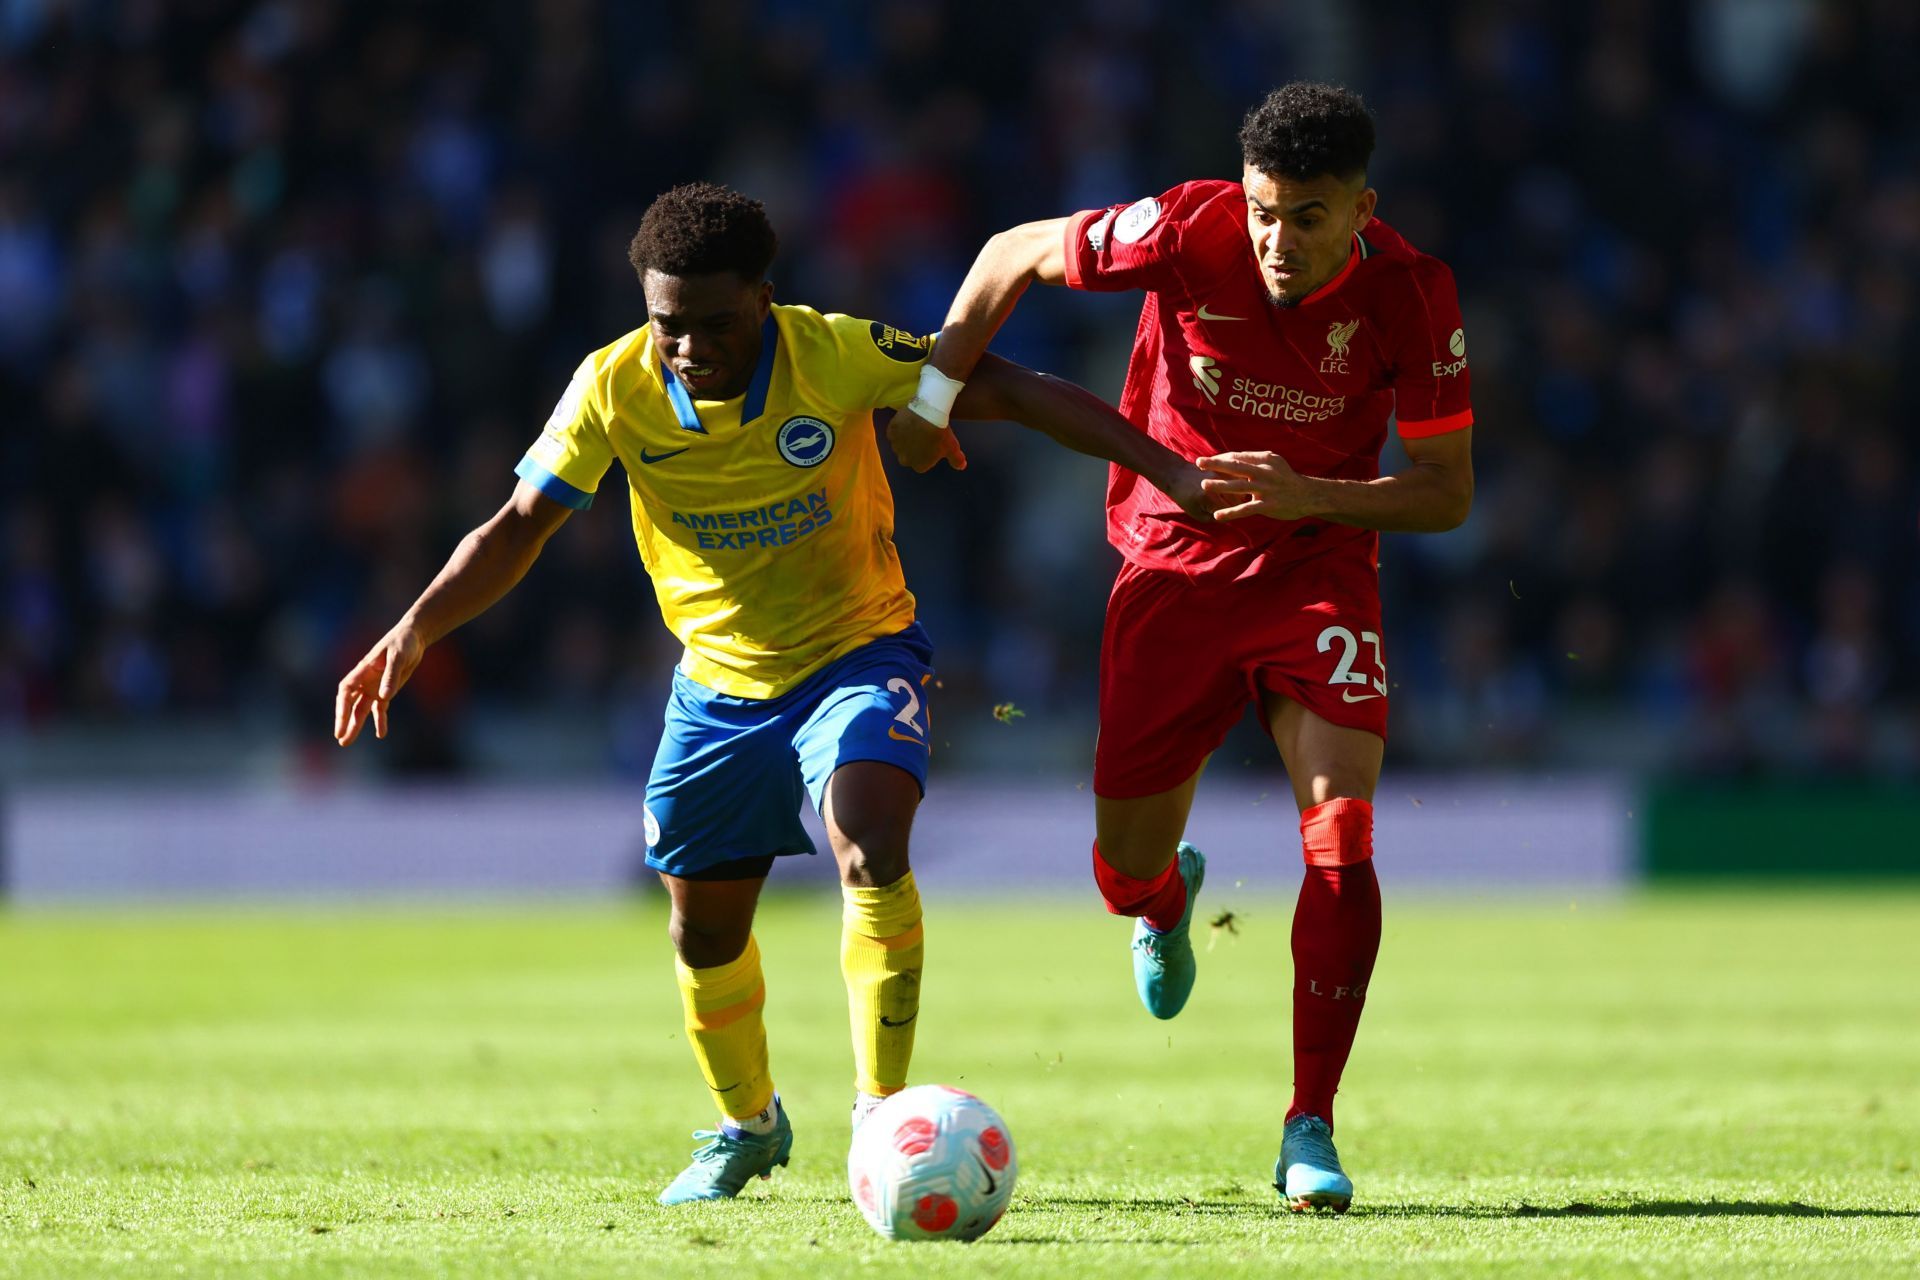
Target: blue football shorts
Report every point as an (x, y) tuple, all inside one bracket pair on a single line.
[(731, 773)]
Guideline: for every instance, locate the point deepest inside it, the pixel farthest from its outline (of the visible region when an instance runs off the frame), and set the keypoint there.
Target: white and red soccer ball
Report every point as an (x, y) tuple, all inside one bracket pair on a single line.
[(932, 1163)]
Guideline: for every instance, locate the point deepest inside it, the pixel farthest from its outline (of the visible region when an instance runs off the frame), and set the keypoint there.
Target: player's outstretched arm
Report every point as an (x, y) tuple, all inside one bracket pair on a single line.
[(1008, 263), (484, 567), (1432, 495), (1083, 422)]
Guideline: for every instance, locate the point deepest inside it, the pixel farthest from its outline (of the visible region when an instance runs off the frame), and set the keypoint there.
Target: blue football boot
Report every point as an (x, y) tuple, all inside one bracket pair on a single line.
[(1308, 1175), (1163, 965), (731, 1157)]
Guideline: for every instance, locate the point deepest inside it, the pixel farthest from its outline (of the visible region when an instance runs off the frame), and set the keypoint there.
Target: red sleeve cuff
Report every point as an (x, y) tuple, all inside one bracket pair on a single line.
[(1076, 233), (1436, 426)]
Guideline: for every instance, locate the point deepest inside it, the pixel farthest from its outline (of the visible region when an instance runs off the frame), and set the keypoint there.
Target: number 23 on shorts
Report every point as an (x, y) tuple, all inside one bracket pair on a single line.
[(1343, 672)]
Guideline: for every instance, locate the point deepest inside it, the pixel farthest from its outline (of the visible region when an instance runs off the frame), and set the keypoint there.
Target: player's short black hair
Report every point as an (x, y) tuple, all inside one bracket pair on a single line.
[(700, 228), (1306, 130)]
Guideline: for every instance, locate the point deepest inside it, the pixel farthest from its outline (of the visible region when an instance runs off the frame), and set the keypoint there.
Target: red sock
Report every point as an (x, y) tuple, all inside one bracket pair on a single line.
[(1161, 900), (1336, 935)]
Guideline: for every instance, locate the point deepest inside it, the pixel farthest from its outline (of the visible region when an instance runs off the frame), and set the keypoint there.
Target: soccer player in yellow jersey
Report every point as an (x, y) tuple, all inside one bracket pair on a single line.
[(765, 521)]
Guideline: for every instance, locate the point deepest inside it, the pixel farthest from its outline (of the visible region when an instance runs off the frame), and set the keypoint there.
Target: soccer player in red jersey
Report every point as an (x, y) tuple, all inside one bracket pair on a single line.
[(1283, 327)]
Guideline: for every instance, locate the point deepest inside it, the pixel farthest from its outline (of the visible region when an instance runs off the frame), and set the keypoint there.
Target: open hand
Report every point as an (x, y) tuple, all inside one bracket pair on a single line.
[(1269, 485), (921, 445), (367, 689)]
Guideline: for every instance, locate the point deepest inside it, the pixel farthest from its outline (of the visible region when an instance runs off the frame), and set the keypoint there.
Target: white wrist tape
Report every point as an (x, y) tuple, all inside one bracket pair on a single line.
[(934, 400)]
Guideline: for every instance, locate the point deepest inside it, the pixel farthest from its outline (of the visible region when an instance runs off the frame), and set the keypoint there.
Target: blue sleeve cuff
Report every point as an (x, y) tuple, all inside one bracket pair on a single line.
[(552, 486)]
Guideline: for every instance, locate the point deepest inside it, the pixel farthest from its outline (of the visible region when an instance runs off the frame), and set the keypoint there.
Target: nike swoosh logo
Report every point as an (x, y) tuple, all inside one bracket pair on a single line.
[(1208, 315), (885, 1021), (991, 1184), (898, 736), (651, 458), (1346, 695)]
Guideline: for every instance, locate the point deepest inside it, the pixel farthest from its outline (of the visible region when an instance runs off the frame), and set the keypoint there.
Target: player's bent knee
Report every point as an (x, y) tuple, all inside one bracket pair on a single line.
[(873, 863), (869, 815), (1138, 837), (1337, 833), (1141, 859), (705, 945)]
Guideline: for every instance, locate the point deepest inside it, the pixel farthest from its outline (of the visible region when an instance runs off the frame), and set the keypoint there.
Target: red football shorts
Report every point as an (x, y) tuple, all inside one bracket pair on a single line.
[(1181, 659)]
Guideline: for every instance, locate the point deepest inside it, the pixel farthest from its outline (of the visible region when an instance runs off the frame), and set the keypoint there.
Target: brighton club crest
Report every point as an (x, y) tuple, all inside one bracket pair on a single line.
[(804, 441)]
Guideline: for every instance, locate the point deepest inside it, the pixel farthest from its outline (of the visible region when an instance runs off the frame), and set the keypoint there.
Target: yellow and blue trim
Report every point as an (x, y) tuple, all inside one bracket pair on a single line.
[(552, 486)]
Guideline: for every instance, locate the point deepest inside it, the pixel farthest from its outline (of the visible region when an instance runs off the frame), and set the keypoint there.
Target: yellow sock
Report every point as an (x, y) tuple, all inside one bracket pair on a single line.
[(880, 955), (724, 1027)]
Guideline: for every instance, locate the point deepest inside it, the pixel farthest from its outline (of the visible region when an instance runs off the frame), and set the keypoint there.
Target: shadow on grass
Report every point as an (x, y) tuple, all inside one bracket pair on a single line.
[(1267, 1208), (1643, 1209), (1028, 1223)]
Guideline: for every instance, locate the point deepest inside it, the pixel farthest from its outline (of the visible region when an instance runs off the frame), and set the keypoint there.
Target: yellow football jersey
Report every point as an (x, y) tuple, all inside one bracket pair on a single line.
[(765, 521)]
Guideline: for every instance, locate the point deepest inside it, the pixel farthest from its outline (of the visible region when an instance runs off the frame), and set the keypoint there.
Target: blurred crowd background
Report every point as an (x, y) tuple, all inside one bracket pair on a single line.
[(287, 286)]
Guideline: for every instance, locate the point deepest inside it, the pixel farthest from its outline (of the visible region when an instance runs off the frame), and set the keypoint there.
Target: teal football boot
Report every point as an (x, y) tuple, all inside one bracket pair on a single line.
[(1163, 965), (1308, 1175), (729, 1159)]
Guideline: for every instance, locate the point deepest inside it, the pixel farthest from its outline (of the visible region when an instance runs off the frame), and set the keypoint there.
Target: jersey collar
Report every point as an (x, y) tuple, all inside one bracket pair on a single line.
[(755, 401), (1354, 256)]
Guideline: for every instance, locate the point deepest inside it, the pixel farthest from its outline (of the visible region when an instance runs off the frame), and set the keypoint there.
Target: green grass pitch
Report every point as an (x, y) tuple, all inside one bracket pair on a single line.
[(1675, 1084)]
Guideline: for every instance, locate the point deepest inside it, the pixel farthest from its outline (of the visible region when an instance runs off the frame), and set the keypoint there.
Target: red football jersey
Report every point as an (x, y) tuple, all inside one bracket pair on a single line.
[(1217, 367)]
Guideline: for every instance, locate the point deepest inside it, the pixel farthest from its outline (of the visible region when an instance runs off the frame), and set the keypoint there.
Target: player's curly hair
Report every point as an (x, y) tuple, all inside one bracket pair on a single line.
[(700, 228), (1306, 130)]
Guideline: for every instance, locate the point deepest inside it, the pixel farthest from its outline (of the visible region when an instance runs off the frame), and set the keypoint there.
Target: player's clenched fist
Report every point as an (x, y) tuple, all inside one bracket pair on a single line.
[(921, 445), (374, 680), (1189, 489)]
